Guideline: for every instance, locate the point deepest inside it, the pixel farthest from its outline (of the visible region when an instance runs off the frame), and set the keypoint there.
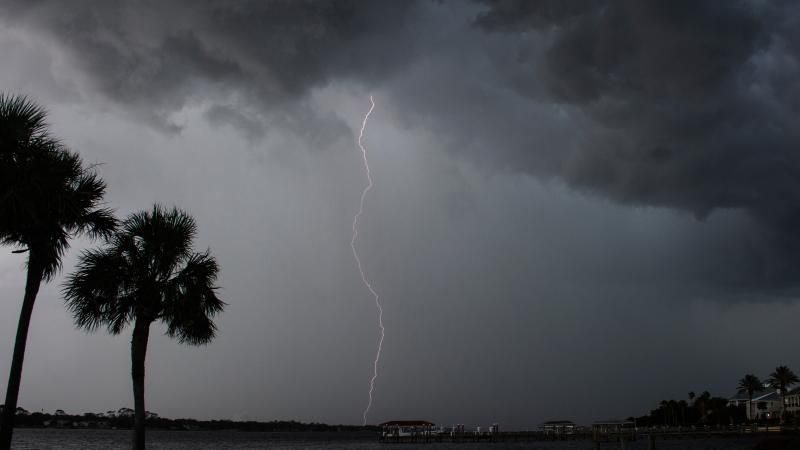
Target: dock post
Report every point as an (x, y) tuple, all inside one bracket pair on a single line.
[(623, 444), (651, 442)]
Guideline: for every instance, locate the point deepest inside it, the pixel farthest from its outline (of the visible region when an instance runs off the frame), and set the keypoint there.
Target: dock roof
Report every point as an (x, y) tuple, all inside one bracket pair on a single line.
[(406, 423), (613, 422)]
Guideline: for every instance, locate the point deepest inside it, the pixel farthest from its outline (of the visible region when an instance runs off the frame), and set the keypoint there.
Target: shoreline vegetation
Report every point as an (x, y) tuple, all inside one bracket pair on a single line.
[(123, 419), (752, 405), (696, 413)]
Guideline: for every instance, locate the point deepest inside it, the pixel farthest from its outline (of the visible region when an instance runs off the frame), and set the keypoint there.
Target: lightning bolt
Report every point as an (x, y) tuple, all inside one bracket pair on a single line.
[(358, 260)]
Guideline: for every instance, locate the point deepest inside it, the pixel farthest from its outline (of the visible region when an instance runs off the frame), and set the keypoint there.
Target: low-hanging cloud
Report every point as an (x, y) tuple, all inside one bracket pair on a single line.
[(688, 105), (691, 104), (155, 58)]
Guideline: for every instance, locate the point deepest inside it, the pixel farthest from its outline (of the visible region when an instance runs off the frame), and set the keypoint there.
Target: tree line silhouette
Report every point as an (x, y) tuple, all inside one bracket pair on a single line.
[(705, 409), (124, 418), (145, 271)]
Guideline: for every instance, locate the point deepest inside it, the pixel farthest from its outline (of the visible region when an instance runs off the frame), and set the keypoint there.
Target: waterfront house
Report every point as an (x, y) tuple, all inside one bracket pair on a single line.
[(558, 427), (613, 426), (792, 401), (404, 428), (766, 404), (613, 429)]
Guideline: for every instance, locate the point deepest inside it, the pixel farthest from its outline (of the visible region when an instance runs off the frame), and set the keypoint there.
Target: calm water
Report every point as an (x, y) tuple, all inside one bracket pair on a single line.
[(43, 439)]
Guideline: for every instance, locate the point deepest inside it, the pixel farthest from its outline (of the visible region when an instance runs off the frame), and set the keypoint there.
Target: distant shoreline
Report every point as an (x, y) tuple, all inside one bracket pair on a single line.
[(123, 420)]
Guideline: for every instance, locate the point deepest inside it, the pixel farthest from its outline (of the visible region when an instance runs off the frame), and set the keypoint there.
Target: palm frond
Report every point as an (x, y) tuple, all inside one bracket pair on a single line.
[(50, 251), (197, 279), (749, 384), (47, 196), (92, 293), (21, 120), (147, 271), (192, 328), (192, 300), (97, 223), (782, 378), (165, 237)]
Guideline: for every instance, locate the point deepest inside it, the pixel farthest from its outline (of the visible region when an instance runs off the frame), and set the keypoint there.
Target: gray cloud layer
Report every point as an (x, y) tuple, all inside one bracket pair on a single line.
[(692, 104), (685, 106), (156, 57)]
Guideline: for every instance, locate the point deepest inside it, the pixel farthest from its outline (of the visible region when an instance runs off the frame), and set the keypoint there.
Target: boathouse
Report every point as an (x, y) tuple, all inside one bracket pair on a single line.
[(558, 427), (613, 429), (406, 428)]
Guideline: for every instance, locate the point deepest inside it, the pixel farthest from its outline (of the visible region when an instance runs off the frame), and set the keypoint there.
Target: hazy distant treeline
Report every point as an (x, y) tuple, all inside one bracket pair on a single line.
[(91, 420)]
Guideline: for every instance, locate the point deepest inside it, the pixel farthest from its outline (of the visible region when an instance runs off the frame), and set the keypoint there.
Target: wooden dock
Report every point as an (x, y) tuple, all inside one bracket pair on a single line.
[(472, 437), (650, 436)]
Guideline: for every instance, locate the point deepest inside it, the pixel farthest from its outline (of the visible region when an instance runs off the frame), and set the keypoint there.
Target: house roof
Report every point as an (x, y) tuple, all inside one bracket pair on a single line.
[(559, 422), (766, 395), (407, 423), (613, 422)]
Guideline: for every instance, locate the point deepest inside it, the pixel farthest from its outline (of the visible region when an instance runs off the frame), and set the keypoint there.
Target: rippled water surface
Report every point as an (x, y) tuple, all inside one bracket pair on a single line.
[(120, 439)]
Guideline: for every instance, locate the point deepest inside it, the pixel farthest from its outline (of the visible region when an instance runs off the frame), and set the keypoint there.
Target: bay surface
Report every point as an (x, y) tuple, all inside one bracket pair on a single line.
[(46, 439)]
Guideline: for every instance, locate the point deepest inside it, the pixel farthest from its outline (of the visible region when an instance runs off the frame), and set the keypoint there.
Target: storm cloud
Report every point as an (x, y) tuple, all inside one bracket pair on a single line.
[(692, 104), (559, 186), (687, 104), (156, 58)]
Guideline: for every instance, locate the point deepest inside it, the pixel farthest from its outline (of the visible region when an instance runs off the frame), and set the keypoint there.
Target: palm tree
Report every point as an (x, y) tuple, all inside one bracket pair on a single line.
[(663, 405), (683, 406), (147, 272), (781, 379), (47, 197), (672, 409), (702, 402), (750, 384)]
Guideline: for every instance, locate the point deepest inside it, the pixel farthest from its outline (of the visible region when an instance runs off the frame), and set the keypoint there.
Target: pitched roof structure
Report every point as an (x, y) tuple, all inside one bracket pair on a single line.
[(407, 423), (767, 394)]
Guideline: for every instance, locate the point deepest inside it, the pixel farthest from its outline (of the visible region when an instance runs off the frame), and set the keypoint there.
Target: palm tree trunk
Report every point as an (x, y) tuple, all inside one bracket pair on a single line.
[(34, 280), (141, 332)]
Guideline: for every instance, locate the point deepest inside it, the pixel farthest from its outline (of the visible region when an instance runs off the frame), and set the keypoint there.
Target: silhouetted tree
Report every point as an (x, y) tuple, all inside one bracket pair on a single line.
[(782, 378), (47, 197), (663, 406), (750, 384), (682, 405), (148, 271), (673, 408), (702, 403)]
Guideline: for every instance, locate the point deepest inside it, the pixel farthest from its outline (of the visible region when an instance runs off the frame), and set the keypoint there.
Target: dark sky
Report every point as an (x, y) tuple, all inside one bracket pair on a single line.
[(580, 208)]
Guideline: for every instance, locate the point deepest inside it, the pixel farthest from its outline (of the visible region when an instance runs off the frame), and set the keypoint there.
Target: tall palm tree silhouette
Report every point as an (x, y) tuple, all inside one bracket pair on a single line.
[(750, 384), (47, 197), (782, 378), (147, 272)]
